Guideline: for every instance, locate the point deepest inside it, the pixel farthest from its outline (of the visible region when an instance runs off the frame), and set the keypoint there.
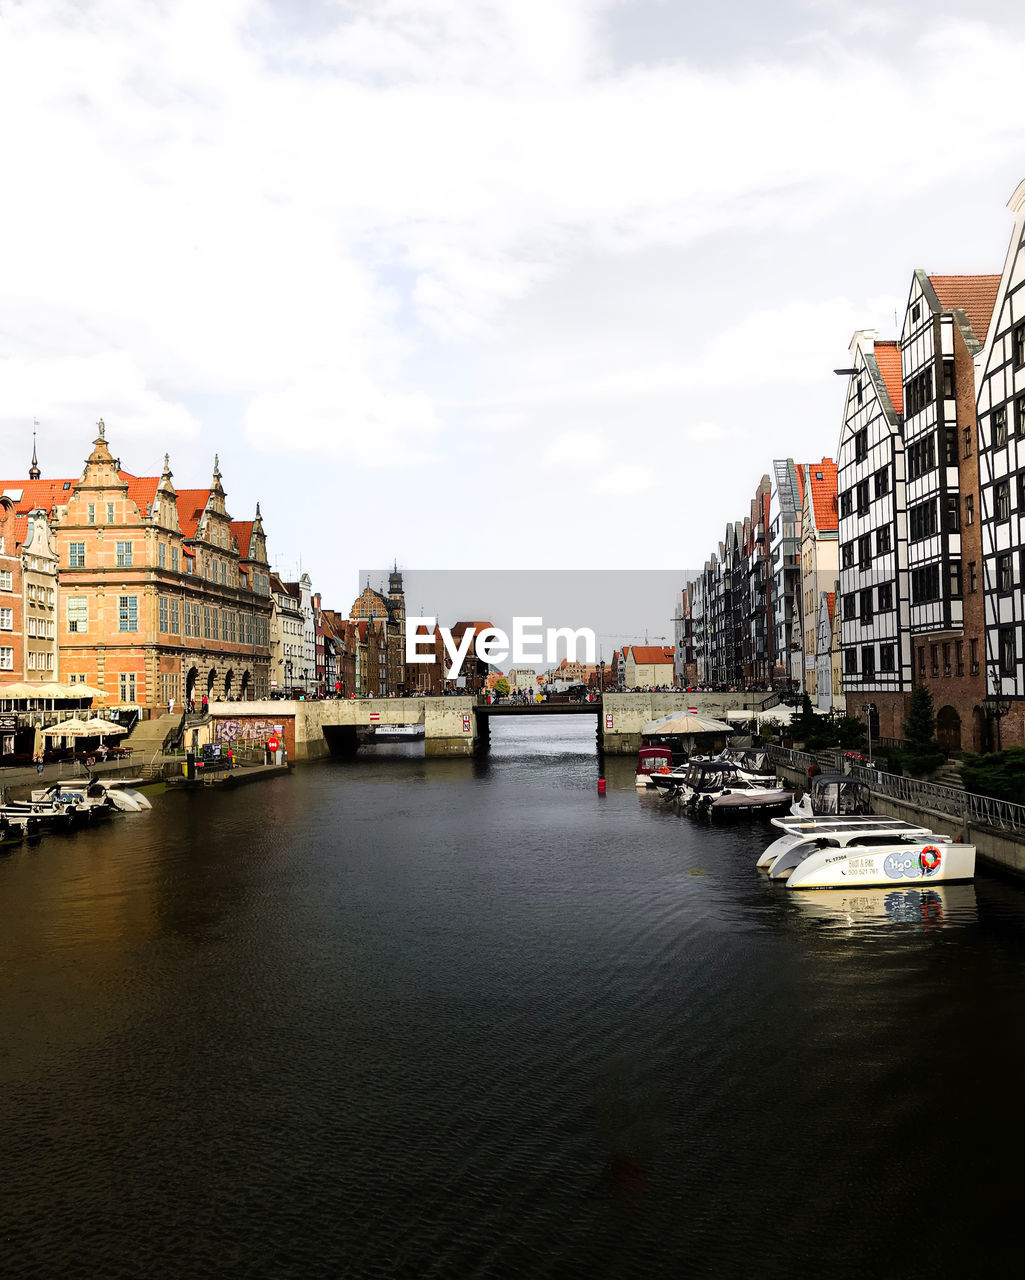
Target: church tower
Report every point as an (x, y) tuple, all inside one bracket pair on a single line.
[(396, 596)]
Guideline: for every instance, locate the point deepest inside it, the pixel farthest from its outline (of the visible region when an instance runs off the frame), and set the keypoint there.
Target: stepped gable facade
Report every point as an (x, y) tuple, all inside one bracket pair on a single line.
[(162, 594)]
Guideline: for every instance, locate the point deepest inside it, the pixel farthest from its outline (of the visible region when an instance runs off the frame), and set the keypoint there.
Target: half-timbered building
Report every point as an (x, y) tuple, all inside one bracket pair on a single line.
[(1001, 446), (873, 539), (945, 326)]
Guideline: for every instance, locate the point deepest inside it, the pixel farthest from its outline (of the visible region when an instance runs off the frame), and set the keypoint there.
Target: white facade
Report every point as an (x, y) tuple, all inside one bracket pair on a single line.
[(931, 439), (872, 532), (1001, 442)]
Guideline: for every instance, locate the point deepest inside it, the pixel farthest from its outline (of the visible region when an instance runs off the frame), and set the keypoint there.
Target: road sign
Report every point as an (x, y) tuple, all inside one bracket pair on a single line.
[(466, 724), (374, 716), (273, 744), (608, 720)]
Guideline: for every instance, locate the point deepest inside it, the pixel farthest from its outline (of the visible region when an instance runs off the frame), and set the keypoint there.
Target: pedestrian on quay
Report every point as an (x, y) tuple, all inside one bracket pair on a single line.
[(38, 758), (170, 706), (205, 704)]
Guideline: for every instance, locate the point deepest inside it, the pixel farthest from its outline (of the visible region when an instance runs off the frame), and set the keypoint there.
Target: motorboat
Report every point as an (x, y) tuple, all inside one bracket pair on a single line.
[(85, 793), (752, 764), (716, 786), (849, 852), (836, 793), (652, 760)]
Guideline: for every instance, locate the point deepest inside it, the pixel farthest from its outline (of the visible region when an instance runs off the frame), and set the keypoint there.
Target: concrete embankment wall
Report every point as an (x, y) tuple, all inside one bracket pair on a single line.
[(625, 714), (1001, 850)]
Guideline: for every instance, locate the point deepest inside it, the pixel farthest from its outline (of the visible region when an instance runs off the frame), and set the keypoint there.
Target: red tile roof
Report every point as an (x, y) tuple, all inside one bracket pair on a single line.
[(243, 533), (823, 494), (976, 295), (46, 494), (650, 653), (191, 505), (888, 359), (141, 489)]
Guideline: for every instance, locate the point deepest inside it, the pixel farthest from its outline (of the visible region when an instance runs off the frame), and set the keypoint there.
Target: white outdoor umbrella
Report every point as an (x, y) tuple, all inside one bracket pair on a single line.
[(73, 728), (105, 728), (685, 722)]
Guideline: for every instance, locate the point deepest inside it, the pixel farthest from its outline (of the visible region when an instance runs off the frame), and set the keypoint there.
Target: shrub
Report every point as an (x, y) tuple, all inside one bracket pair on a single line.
[(1001, 774)]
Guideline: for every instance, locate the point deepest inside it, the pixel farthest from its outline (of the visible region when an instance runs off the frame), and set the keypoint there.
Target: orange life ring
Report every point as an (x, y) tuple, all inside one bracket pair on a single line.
[(930, 858), (663, 769)]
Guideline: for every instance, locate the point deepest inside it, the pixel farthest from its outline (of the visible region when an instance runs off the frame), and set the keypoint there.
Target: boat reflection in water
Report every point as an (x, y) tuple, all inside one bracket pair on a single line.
[(927, 908)]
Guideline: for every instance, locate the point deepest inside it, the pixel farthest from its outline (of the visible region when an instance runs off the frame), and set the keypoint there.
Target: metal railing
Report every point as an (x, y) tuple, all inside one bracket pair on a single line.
[(970, 807), (967, 805), (802, 760)]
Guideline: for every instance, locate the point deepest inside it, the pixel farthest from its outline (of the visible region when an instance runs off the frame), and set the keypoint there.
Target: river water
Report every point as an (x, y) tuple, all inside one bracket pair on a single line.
[(408, 1018)]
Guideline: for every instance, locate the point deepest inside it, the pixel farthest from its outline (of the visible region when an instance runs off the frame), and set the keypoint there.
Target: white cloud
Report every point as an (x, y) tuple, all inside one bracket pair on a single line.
[(345, 230)]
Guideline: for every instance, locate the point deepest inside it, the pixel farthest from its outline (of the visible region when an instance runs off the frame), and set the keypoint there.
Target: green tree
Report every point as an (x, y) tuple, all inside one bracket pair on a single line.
[(502, 687), (921, 753)]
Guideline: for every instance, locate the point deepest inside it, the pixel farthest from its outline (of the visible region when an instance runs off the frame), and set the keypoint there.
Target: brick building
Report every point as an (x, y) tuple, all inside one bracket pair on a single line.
[(945, 327)]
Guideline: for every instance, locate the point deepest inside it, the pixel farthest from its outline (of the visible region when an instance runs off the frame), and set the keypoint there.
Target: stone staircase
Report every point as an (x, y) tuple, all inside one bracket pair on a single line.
[(147, 742), (948, 775)]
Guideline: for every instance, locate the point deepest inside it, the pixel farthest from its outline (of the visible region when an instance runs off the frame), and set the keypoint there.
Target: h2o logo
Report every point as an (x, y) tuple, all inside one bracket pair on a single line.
[(899, 865)]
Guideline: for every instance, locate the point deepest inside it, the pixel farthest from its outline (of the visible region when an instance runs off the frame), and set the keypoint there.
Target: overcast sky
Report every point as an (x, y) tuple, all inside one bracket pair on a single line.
[(471, 283)]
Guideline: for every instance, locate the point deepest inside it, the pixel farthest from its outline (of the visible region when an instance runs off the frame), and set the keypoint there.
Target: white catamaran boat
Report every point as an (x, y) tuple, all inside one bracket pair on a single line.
[(862, 850)]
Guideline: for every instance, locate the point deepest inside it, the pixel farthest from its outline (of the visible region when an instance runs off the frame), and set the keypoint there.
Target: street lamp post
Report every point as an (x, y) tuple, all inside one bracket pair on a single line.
[(868, 708)]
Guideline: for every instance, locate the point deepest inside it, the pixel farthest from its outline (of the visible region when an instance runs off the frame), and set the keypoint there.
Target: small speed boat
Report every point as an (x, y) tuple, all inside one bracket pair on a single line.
[(720, 786)]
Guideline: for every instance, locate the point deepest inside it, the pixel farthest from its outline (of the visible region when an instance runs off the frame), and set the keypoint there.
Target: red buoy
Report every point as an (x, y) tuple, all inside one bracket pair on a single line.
[(601, 786)]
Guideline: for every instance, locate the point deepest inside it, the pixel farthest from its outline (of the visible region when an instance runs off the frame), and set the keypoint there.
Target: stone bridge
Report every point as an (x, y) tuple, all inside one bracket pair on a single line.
[(454, 725)]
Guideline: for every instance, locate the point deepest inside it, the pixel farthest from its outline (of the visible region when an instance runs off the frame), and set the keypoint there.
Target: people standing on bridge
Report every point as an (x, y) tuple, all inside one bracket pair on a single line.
[(205, 704)]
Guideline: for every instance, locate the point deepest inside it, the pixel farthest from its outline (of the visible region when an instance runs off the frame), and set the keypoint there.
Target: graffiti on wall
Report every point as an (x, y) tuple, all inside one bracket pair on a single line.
[(243, 730)]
